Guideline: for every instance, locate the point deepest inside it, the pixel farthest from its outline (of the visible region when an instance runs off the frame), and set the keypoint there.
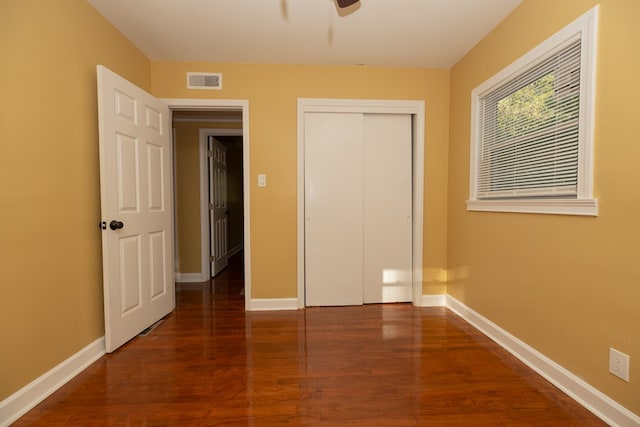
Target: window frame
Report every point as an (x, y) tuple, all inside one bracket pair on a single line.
[(585, 27)]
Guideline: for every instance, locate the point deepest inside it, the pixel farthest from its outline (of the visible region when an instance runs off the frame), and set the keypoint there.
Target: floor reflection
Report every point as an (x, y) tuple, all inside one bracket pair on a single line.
[(212, 363)]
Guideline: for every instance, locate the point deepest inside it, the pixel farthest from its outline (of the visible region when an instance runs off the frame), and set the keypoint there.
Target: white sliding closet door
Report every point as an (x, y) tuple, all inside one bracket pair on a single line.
[(387, 208), (333, 209), (358, 207)]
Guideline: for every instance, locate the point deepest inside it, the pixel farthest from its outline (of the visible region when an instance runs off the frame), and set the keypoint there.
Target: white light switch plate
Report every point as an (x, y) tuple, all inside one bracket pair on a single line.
[(262, 180)]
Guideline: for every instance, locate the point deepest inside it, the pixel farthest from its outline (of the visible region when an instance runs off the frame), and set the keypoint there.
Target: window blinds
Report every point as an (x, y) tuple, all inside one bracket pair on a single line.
[(529, 134)]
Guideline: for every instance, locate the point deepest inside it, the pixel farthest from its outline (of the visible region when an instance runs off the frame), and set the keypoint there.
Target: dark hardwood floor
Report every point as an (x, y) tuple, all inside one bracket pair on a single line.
[(210, 363)]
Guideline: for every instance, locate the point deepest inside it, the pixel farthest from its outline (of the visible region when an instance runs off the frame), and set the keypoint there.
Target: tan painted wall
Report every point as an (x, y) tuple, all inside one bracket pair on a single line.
[(188, 197), (568, 286), (50, 250), (272, 91)]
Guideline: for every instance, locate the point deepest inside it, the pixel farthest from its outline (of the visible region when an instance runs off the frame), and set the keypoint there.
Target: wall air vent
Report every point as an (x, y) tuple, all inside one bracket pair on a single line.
[(204, 80)]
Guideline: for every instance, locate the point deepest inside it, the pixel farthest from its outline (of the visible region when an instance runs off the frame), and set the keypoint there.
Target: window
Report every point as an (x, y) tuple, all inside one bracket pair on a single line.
[(532, 129)]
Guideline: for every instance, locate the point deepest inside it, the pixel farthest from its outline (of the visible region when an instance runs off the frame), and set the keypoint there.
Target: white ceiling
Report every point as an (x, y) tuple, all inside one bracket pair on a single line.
[(400, 33)]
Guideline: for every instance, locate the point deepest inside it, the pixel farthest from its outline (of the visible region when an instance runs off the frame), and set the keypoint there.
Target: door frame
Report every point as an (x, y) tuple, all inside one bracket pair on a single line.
[(224, 105), (417, 111)]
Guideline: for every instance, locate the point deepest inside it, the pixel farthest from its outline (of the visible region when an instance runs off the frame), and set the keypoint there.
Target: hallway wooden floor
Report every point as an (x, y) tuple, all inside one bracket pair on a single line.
[(210, 363)]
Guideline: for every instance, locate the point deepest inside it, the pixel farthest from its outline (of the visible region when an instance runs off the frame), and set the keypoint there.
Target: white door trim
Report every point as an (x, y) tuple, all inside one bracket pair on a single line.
[(417, 111), (223, 104)]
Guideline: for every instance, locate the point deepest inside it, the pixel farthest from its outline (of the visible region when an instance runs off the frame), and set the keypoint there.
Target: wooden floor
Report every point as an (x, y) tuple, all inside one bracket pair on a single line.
[(210, 363)]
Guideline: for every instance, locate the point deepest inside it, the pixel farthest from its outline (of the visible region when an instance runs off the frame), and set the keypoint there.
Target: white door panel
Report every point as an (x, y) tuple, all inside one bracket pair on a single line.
[(387, 208), (130, 286), (135, 182), (157, 264), (155, 162), (333, 209), (218, 206)]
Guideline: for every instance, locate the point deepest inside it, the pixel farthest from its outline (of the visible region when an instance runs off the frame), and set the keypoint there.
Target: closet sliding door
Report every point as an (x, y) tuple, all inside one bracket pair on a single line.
[(358, 208), (387, 208), (333, 209)]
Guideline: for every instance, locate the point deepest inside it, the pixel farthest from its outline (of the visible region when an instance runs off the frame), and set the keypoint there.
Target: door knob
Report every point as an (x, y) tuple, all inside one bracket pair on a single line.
[(116, 225)]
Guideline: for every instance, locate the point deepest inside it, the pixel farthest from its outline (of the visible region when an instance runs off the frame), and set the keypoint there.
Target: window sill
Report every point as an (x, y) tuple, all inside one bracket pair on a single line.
[(584, 207)]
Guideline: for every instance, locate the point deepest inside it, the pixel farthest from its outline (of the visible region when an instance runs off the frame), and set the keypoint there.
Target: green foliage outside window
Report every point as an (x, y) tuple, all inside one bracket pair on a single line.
[(536, 105)]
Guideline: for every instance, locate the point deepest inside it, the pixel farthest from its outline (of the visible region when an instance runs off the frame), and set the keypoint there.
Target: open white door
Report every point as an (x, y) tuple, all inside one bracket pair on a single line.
[(218, 207), (135, 184)]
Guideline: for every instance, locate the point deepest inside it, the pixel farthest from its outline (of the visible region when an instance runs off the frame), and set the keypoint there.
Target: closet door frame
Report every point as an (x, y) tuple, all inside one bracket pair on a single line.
[(417, 111)]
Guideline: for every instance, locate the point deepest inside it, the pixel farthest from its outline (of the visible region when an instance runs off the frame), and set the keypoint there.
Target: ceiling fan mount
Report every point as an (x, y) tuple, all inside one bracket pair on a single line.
[(346, 3)]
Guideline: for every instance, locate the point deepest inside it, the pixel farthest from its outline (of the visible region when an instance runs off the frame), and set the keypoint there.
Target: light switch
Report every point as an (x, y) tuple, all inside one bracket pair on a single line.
[(262, 180)]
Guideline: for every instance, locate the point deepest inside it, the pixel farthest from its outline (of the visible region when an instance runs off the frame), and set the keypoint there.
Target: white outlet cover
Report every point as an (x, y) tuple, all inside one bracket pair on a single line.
[(619, 364)]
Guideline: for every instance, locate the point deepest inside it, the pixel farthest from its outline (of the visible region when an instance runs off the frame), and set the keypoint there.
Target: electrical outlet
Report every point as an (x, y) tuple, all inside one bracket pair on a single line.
[(619, 364)]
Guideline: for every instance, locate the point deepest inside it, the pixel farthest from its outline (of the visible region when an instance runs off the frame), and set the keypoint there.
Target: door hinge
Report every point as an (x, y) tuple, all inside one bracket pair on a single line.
[(211, 206), (209, 153), (211, 258)]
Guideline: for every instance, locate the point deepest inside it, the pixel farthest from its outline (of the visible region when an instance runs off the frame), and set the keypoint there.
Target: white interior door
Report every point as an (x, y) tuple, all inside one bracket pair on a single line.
[(333, 209), (135, 183), (218, 207), (358, 208), (387, 206)]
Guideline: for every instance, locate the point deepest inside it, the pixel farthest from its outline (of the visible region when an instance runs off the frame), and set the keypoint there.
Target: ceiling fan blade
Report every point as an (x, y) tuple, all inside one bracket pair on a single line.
[(346, 3)]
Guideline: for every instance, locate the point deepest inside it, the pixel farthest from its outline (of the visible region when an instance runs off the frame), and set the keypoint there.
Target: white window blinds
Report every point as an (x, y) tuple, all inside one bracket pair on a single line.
[(529, 131)]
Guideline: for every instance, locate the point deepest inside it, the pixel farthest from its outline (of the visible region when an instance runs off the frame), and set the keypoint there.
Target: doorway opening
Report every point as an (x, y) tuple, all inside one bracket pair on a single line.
[(200, 122)]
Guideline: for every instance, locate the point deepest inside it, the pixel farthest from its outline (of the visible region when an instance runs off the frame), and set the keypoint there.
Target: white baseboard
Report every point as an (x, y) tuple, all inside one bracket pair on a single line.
[(202, 277), (235, 250), (23, 400), (588, 396), (270, 304), (433, 301), (190, 277)]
